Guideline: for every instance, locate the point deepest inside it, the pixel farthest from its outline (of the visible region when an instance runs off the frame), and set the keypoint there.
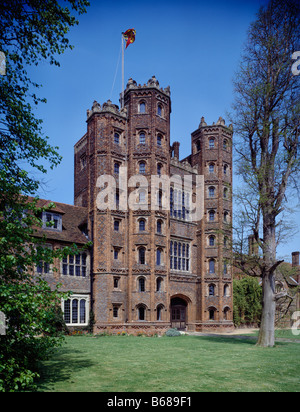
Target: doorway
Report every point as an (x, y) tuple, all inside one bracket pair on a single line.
[(178, 313)]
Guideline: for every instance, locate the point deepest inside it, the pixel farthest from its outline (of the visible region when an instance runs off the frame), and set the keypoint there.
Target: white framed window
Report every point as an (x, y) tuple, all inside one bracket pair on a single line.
[(179, 256), (76, 310), (179, 204), (75, 265), (52, 221)]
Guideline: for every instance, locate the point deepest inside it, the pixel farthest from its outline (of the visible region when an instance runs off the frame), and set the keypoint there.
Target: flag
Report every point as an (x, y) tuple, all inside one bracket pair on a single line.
[(129, 35)]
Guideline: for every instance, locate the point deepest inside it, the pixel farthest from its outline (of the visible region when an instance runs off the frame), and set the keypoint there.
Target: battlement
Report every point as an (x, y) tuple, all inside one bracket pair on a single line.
[(152, 83), (107, 107)]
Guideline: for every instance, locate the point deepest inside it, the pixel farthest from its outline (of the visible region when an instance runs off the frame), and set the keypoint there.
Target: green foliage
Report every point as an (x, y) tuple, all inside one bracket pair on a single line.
[(31, 31), (247, 298)]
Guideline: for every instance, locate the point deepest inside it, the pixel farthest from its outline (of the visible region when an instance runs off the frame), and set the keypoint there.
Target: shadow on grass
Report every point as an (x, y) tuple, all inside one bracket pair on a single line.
[(233, 340), (61, 367), (237, 340)]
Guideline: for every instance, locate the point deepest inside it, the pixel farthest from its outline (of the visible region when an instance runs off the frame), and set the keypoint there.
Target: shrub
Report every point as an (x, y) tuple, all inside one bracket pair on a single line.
[(247, 298), (173, 332)]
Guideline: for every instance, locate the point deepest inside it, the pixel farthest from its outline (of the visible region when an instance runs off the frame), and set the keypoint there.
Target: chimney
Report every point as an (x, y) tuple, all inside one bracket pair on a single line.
[(295, 259), (176, 149), (252, 246)]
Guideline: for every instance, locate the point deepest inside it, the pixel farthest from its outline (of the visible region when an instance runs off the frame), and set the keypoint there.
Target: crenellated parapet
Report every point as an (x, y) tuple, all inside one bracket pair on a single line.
[(152, 83), (107, 107)]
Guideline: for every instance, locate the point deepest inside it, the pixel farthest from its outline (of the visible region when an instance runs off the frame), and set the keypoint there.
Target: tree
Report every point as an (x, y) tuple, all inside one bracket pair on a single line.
[(266, 114), (246, 301), (31, 31)]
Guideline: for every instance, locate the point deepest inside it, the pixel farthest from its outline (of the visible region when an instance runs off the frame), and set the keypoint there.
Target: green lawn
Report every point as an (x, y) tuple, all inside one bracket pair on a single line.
[(171, 364)]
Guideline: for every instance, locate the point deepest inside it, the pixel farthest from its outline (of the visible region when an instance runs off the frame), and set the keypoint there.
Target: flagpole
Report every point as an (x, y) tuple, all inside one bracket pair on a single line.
[(122, 98)]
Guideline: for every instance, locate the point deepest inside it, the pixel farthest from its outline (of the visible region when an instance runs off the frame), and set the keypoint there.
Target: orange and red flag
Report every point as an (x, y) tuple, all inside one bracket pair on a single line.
[(129, 35)]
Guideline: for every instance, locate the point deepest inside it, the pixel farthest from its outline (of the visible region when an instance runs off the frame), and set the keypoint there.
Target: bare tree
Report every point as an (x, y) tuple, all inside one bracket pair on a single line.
[(266, 114)]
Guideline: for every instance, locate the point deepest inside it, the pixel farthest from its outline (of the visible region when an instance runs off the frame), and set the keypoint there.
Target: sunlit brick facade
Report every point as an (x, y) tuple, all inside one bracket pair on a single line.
[(156, 267)]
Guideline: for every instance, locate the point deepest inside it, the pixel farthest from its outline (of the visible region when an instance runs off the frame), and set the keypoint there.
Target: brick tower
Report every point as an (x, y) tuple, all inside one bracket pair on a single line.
[(153, 266), (212, 155)]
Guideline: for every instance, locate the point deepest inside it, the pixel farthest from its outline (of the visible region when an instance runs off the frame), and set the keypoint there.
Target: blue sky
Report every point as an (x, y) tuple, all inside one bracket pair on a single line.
[(192, 46)]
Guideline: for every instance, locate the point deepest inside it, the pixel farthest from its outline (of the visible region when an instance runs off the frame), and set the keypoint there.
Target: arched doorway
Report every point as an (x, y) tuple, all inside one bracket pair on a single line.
[(178, 313)]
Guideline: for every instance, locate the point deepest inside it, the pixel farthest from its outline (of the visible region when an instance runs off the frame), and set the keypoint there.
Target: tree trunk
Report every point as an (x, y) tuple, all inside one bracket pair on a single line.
[(267, 326)]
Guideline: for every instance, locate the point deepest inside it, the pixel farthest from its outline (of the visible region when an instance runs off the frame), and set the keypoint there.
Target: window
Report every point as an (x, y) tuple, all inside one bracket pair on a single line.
[(52, 221), (142, 107), (141, 313), (159, 284), (159, 109), (75, 310), (141, 284), (211, 314), (159, 140), (158, 226), (159, 168), (142, 138), (116, 225), (142, 197), (225, 144), (142, 253), (211, 143), (115, 311), (226, 217), (211, 290), (225, 193), (179, 256), (211, 241), (225, 168), (116, 168), (179, 204), (75, 265), (211, 215), (116, 282), (117, 199), (142, 225), (116, 253), (83, 161), (159, 257), (142, 168), (159, 198), (116, 138), (211, 191), (225, 268), (198, 145), (159, 310), (225, 241), (225, 313), (43, 268), (212, 266), (226, 290), (211, 168)]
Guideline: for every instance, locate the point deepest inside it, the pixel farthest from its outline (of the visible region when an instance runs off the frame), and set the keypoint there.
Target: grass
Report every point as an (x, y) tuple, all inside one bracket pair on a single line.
[(170, 364)]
